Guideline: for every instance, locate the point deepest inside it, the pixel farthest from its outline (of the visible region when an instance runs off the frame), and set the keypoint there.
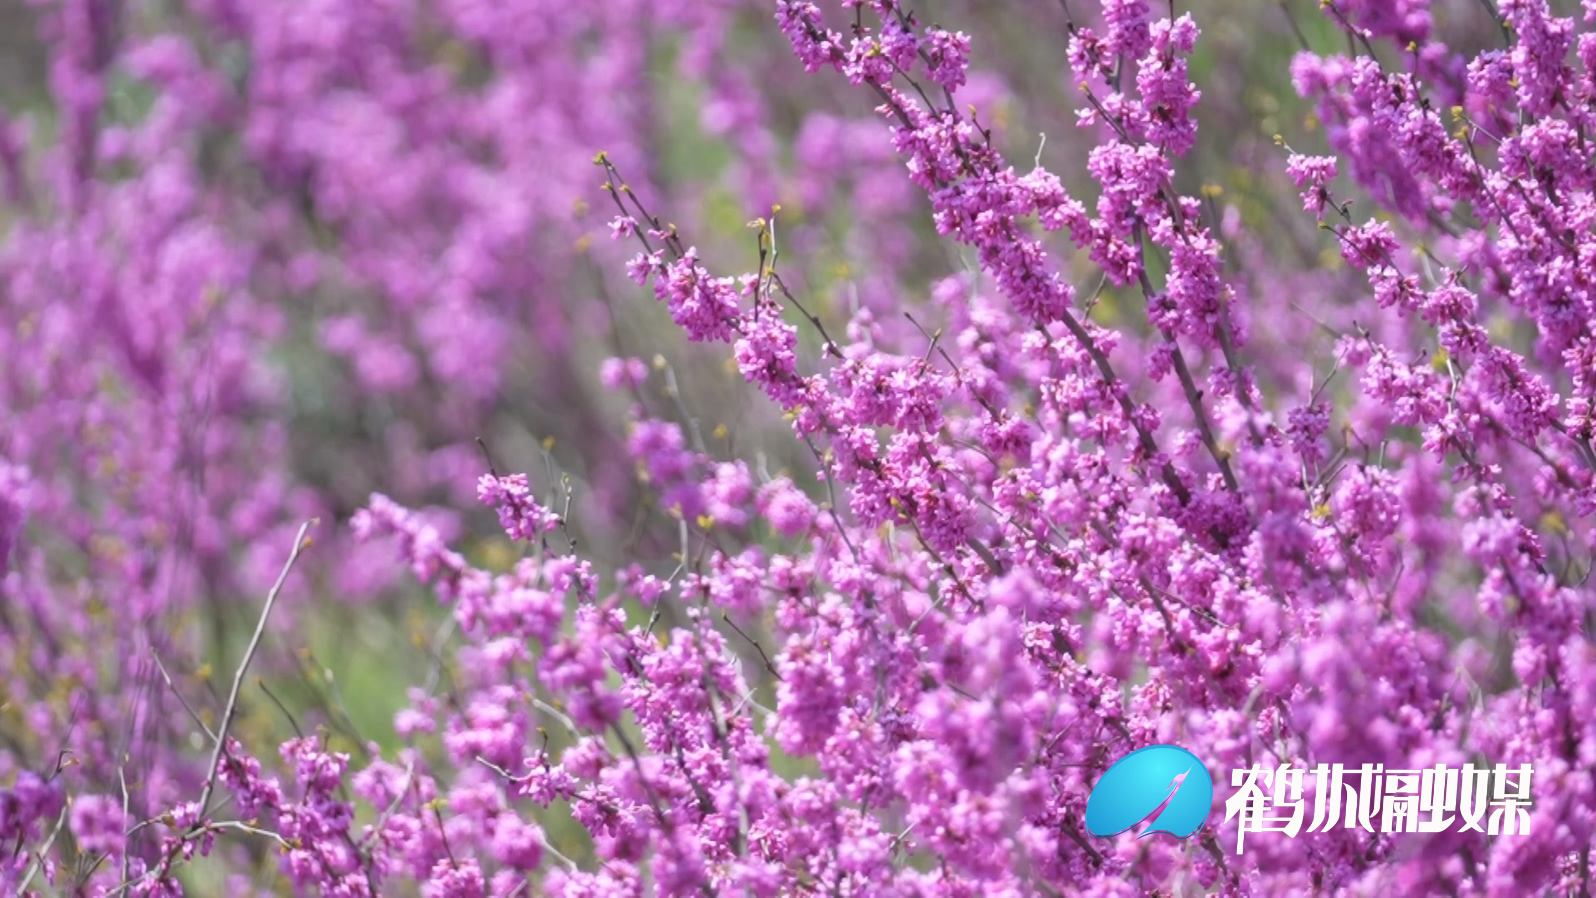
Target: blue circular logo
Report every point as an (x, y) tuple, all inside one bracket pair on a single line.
[(1164, 784)]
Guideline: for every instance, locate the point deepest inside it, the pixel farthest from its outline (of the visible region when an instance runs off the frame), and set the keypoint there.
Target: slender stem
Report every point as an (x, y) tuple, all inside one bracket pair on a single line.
[(38, 862), (243, 666)]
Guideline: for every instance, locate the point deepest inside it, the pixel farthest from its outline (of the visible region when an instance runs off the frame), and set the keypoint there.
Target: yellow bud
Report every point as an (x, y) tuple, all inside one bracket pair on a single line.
[(1553, 522)]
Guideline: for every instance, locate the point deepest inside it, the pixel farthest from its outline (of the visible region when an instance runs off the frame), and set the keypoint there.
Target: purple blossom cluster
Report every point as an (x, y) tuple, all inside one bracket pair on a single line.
[(1126, 468)]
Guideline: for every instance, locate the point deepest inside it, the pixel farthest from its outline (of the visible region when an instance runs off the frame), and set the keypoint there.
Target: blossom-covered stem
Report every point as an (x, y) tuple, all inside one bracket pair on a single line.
[(976, 164), (1194, 398)]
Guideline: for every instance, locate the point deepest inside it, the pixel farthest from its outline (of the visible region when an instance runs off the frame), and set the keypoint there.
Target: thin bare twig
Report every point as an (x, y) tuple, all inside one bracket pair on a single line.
[(173, 686), (37, 863), (243, 666)]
